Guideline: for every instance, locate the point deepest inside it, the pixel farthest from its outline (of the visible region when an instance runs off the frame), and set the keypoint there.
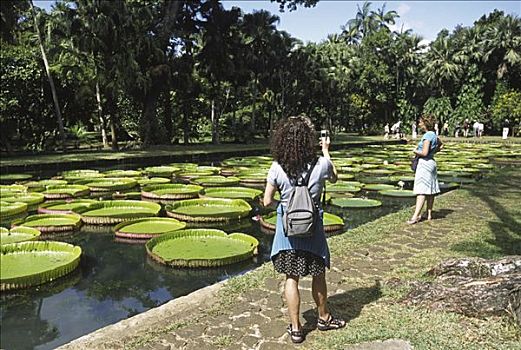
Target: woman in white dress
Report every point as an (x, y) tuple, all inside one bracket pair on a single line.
[(426, 176)]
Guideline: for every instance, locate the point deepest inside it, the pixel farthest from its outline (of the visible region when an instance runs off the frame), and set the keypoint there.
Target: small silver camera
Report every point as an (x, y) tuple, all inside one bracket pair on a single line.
[(324, 134)]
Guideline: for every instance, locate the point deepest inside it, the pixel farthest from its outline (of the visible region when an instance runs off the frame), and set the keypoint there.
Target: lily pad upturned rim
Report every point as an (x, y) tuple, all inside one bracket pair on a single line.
[(9, 209), (119, 229), (239, 209), (37, 278), (355, 203), (397, 193), (18, 234), (247, 247), (245, 193), (379, 187), (336, 222), (168, 192), (72, 222), (216, 181), (149, 209), (47, 207), (65, 191), (112, 184)]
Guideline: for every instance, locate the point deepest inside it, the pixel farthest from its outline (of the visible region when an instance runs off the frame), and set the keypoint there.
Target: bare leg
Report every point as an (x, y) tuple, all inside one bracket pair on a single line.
[(292, 295), (319, 292), (430, 205), (420, 200)]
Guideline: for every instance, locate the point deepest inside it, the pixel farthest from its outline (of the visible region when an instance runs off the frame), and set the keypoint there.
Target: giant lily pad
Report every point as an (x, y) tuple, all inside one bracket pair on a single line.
[(64, 207), (379, 187), (342, 187), (232, 193), (116, 211), (111, 184), (122, 173), (33, 263), (355, 202), (52, 223), (11, 190), (147, 228), (208, 209), (31, 198), (397, 193), (10, 178), (161, 171), (75, 175), (186, 176), (153, 181), (170, 192), (18, 234), (332, 223), (201, 248), (65, 191), (10, 211), (216, 181), (40, 186)]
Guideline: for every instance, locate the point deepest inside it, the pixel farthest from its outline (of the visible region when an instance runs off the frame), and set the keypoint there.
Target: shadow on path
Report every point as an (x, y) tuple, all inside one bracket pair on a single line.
[(347, 305)]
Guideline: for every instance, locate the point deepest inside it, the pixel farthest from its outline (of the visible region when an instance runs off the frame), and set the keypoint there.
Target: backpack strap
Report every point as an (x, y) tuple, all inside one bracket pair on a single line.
[(308, 175)]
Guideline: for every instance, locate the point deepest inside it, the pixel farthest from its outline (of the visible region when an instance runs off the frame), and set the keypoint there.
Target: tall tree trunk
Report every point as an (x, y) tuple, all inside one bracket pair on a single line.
[(215, 124), (59, 118), (186, 127), (113, 119), (168, 117), (100, 115), (149, 118)]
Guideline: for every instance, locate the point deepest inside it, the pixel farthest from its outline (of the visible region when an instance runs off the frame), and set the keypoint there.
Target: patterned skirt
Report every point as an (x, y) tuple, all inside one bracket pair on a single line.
[(298, 263)]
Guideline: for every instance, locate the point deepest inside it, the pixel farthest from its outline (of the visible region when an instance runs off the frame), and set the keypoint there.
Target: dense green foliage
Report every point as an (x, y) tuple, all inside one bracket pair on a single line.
[(160, 72)]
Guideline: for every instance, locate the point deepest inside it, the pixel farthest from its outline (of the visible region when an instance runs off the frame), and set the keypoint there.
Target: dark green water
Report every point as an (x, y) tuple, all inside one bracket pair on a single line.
[(117, 280)]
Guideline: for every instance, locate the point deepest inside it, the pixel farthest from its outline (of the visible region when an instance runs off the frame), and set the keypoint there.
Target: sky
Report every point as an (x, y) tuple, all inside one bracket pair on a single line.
[(425, 18)]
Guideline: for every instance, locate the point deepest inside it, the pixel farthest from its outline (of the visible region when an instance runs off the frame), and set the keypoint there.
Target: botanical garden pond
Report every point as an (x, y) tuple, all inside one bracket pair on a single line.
[(116, 278)]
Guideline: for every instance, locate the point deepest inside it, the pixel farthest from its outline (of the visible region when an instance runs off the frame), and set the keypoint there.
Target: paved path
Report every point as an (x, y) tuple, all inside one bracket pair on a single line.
[(256, 319)]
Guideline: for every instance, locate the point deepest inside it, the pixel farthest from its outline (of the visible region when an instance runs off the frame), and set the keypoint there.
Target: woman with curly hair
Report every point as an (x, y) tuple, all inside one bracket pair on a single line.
[(294, 151), (426, 176)]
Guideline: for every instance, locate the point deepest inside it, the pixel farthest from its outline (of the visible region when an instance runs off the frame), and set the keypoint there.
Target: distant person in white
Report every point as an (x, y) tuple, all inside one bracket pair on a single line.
[(414, 130), (386, 131), (475, 127), (436, 129), (506, 127), (396, 129), (481, 129)]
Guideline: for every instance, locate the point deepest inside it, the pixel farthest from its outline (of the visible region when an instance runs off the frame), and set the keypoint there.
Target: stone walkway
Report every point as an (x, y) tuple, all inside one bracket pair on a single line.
[(257, 319)]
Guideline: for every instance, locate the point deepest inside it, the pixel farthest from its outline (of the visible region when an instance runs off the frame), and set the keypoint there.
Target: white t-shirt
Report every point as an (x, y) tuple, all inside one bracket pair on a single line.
[(323, 170)]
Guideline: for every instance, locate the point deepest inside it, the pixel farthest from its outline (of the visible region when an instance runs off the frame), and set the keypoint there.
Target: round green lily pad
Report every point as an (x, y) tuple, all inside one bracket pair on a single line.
[(9, 209), (186, 176), (379, 187), (153, 181), (50, 223), (27, 264), (213, 169), (232, 192), (162, 171), (122, 173), (40, 186), (111, 184), (64, 207), (10, 178), (132, 195), (216, 181), (65, 191), (343, 176), (355, 202), (332, 222), (397, 193), (75, 175), (147, 228), (201, 248), (116, 211), (18, 234), (342, 187), (168, 193), (208, 209), (31, 198), (11, 190)]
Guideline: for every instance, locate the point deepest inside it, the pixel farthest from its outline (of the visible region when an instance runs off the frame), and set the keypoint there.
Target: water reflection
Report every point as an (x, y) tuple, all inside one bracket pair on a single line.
[(117, 280)]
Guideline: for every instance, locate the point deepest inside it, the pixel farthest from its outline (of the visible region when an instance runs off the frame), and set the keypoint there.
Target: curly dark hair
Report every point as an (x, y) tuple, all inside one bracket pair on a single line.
[(428, 120), (293, 144)]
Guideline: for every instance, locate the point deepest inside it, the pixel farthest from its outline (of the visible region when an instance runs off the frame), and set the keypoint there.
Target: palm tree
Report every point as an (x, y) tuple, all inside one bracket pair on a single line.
[(443, 66), (504, 41), (382, 18)]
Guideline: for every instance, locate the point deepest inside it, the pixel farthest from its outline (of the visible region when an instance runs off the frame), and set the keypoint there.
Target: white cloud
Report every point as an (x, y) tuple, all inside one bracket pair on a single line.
[(403, 9)]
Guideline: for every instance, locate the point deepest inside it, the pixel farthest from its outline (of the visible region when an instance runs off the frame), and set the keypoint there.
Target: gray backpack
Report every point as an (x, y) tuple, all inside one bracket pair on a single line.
[(301, 214)]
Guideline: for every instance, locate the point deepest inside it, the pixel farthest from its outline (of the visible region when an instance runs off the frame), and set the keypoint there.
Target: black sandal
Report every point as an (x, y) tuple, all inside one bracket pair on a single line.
[(331, 323), (296, 336)]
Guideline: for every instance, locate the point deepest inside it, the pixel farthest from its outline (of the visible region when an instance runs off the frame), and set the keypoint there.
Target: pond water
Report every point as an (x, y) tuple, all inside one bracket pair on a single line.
[(117, 280)]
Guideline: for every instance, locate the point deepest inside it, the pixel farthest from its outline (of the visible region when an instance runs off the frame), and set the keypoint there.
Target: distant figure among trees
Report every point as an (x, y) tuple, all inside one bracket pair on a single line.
[(466, 126), (506, 128), (475, 128), (481, 129), (414, 130), (445, 129), (386, 131), (396, 129)]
